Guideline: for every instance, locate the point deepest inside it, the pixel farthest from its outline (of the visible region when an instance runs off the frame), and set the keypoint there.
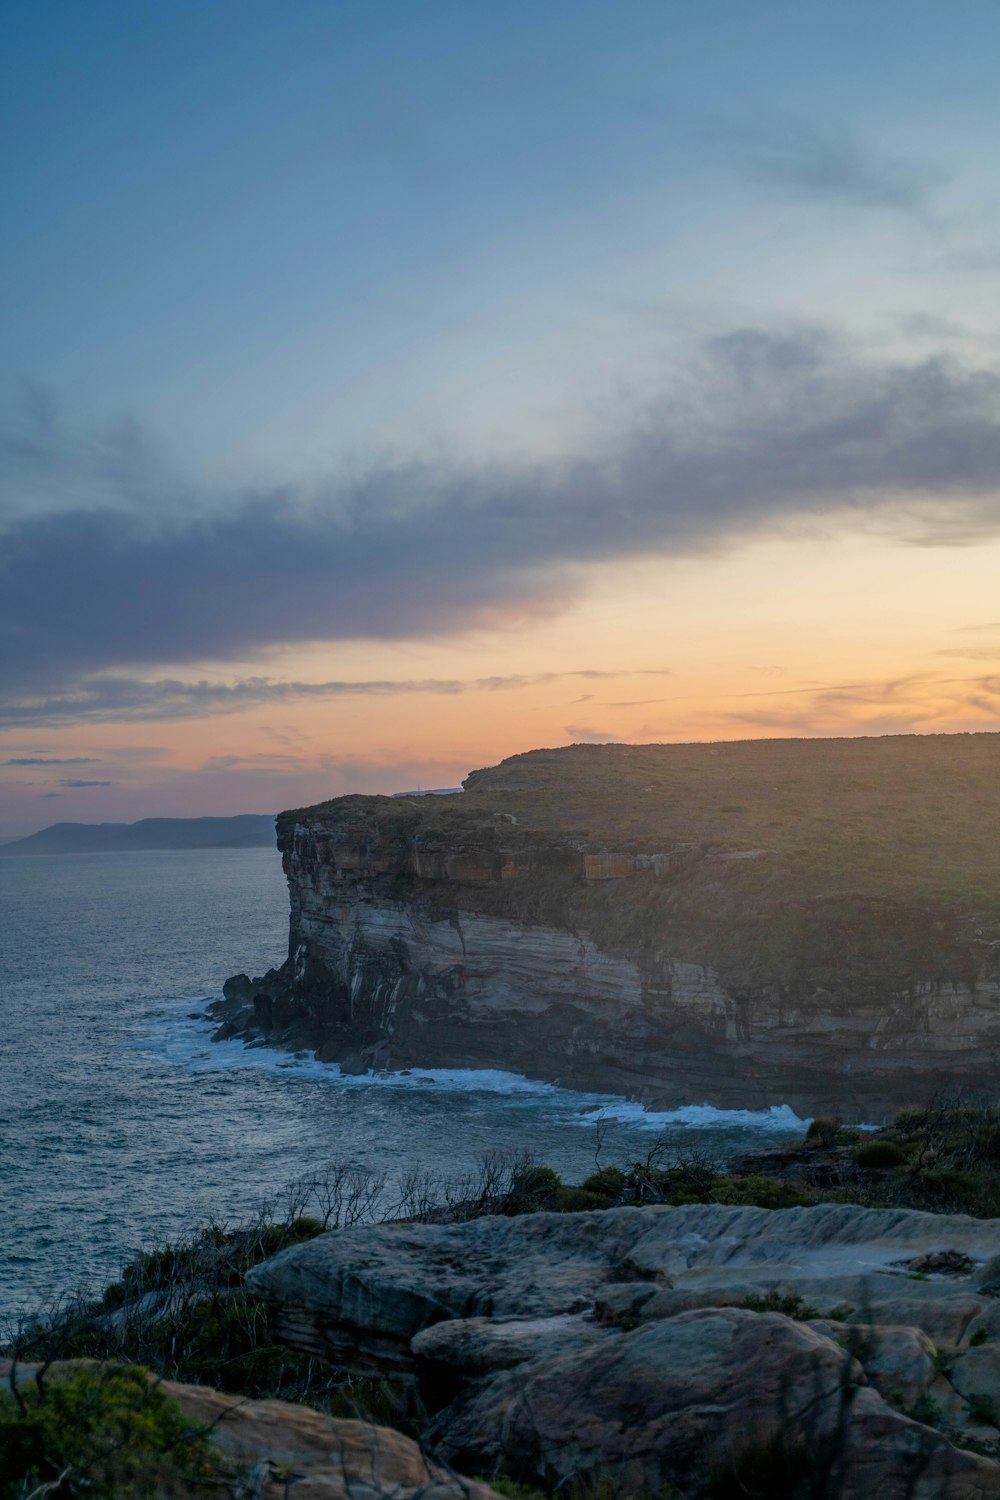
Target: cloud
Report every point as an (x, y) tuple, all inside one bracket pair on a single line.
[(116, 699), (75, 783), (761, 431), (905, 705), (818, 164), (39, 760), (584, 734), (634, 702)]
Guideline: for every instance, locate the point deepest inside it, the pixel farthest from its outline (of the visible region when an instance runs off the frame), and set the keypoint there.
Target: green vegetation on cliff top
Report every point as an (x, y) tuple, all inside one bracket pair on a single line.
[(904, 816)]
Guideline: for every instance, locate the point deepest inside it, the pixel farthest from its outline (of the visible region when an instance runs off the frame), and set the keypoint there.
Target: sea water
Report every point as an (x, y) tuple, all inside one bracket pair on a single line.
[(122, 1124)]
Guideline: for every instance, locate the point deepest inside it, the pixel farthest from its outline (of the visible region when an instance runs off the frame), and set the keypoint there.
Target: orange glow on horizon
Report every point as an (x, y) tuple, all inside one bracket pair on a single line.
[(815, 636)]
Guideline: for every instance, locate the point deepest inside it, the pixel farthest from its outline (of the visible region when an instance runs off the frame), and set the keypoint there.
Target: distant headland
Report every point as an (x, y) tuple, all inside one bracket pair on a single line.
[(245, 831)]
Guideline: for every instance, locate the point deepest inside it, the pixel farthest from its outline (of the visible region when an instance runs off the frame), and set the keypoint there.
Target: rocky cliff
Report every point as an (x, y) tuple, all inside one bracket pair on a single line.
[(602, 916)]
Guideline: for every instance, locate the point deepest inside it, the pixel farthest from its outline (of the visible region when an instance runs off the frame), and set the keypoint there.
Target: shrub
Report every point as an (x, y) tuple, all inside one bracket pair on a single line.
[(512, 1490), (877, 1155), (822, 1131), (772, 1467), (982, 1408), (101, 1431), (756, 1191), (925, 1409), (531, 1189), (570, 1200), (609, 1182), (788, 1303)]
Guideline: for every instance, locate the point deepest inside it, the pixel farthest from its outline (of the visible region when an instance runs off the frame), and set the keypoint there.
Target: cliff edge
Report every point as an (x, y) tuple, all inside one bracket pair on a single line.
[(807, 922)]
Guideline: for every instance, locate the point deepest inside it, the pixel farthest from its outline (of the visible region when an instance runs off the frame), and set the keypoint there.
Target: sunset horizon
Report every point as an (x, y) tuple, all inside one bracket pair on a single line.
[(386, 396)]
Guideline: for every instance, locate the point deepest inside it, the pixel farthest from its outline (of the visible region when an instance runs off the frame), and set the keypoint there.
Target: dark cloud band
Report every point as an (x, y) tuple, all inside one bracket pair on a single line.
[(763, 430)]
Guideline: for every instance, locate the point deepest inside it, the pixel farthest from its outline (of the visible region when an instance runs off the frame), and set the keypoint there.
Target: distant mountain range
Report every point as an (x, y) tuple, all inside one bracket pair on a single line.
[(246, 831)]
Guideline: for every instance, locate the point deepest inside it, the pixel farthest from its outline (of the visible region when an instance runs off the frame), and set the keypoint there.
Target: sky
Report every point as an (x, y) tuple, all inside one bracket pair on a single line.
[(388, 389)]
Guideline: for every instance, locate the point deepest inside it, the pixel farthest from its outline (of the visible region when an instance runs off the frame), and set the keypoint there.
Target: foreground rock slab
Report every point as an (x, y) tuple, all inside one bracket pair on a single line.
[(641, 1349), (359, 1298), (690, 1402), (292, 1451)]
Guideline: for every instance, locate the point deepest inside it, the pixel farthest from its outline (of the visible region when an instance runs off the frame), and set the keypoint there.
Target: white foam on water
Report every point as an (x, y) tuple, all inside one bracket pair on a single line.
[(185, 1041), (779, 1117)]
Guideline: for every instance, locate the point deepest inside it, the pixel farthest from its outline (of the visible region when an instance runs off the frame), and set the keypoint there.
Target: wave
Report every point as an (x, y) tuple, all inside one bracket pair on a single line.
[(185, 1041)]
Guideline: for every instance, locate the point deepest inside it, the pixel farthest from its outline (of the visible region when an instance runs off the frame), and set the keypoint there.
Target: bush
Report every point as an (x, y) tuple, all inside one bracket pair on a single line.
[(609, 1183), (877, 1155), (788, 1303), (756, 1191), (512, 1490), (183, 1311), (822, 1131), (101, 1431), (531, 1189), (982, 1408), (570, 1200), (926, 1410)]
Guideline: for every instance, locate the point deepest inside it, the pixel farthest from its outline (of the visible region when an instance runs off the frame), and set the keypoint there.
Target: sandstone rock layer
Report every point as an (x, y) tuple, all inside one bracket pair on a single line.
[(496, 930)]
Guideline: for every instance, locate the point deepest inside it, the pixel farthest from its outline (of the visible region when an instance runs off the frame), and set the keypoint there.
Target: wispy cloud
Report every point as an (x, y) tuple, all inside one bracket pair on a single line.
[(75, 783), (40, 760), (585, 734), (973, 653), (634, 702), (114, 699), (902, 705), (803, 159)]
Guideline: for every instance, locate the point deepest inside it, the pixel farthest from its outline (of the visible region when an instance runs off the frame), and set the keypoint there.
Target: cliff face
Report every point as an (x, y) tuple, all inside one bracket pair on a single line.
[(454, 935)]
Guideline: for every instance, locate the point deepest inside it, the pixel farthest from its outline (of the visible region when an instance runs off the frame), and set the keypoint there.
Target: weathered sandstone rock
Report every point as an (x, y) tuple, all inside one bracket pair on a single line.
[(977, 1373), (690, 1399), (360, 1297), (612, 1346), (899, 1362), (295, 1453), (276, 1450)]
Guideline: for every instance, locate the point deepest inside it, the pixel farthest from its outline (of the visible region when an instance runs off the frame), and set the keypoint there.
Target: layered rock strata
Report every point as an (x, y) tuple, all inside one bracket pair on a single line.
[(469, 936), (634, 1348)]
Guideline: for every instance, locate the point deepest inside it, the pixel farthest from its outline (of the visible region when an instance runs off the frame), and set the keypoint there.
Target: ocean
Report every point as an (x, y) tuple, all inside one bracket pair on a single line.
[(123, 1125)]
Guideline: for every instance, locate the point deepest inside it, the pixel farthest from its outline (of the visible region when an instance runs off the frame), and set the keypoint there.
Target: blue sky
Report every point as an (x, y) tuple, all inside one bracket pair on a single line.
[(408, 316), (329, 220)]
